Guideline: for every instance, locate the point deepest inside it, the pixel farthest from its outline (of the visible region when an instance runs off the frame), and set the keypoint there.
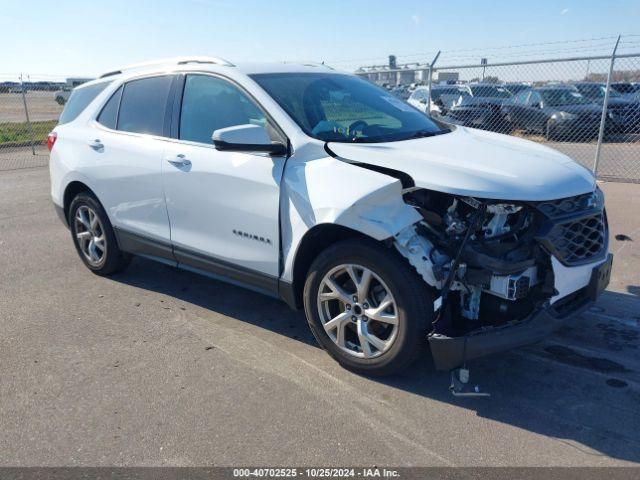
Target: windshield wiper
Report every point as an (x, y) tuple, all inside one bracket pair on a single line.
[(393, 138), (424, 134)]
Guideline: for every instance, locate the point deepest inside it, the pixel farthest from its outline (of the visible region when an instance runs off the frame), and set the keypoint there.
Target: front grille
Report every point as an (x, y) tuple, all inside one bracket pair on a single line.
[(578, 241), (575, 232)]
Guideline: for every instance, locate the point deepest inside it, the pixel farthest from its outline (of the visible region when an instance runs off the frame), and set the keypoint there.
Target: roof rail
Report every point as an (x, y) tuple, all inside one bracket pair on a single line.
[(170, 61), (309, 64)]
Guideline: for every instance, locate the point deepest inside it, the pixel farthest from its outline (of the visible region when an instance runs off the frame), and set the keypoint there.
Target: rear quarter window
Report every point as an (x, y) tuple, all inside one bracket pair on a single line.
[(79, 100), (109, 114)]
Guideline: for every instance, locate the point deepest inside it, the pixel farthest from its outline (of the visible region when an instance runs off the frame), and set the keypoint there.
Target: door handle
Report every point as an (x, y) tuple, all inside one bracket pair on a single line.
[(96, 144), (179, 161)]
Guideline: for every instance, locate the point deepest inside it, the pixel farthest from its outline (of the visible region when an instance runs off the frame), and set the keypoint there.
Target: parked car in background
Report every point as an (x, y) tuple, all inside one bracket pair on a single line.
[(623, 114), (488, 90), (482, 108), (401, 91), (634, 97), (626, 87), (443, 97), (8, 87), (44, 86), (557, 112), (514, 88)]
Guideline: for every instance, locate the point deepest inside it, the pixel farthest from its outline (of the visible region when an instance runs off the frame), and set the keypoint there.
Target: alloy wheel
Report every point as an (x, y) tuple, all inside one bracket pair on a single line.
[(358, 311), (90, 235)]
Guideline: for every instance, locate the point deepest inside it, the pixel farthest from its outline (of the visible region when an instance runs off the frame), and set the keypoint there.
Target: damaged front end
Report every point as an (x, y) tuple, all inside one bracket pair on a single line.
[(495, 268)]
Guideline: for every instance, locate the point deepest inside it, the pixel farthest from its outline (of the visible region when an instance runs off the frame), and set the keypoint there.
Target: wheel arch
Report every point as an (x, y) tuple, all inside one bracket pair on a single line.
[(72, 190), (315, 240)]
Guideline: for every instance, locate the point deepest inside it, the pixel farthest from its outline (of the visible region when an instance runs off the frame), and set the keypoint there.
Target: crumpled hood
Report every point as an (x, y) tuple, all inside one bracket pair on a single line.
[(477, 163)]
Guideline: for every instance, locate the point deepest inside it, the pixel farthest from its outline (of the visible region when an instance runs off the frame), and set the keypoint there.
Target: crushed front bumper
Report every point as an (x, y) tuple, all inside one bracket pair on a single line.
[(453, 352)]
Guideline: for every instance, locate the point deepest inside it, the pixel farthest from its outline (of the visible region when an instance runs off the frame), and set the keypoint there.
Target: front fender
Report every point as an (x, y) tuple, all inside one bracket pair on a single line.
[(328, 190)]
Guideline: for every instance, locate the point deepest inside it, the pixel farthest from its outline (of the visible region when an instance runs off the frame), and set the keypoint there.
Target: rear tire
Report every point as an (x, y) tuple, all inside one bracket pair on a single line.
[(388, 347), (93, 236)]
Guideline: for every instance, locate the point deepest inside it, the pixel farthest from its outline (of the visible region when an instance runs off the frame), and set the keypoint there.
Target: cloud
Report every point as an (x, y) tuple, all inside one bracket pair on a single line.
[(416, 19), (564, 11)]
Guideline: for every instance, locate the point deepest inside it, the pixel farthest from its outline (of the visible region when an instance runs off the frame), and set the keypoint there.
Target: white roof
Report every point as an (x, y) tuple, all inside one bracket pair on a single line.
[(202, 63), (213, 64)]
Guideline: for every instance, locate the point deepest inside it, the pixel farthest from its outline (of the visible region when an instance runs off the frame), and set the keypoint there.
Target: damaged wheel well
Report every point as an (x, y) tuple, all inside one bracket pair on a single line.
[(317, 239)]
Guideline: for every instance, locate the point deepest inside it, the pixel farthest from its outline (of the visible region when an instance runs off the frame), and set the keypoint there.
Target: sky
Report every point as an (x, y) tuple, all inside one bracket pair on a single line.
[(74, 37)]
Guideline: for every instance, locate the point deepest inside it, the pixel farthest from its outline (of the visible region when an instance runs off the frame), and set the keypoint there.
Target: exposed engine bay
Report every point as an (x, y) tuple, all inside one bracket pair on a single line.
[(481, 256)]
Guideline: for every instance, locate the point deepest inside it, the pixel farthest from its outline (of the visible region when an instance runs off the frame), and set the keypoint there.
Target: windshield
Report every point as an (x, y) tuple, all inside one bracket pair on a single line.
[(597, 91), (556, 98), (489, 91), (343, 108), (513, 89)]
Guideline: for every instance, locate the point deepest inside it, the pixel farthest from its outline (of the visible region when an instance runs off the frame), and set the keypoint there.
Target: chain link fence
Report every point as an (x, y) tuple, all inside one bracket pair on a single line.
[(556, 102), (28, 112)]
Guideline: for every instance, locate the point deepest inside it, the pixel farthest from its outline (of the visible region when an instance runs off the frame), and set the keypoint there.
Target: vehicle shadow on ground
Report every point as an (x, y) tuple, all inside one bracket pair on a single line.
[(591, 404), (220, 297), (579, 386)]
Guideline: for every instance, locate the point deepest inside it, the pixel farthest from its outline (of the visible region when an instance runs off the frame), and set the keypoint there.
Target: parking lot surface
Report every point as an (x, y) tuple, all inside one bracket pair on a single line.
[(156, 366)]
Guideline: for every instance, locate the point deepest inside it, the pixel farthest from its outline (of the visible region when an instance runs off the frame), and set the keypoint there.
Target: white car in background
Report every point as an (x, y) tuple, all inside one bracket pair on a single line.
[(390, 229), (443, 97)]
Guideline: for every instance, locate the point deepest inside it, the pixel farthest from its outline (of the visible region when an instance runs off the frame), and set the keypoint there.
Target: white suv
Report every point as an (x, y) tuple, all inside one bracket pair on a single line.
[(390, 229)]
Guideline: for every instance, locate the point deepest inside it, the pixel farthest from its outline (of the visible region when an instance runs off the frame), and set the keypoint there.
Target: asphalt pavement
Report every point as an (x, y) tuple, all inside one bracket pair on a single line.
[(155, 366)]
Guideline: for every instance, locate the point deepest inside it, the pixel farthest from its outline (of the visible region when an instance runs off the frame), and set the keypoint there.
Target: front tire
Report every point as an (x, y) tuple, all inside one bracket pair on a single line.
[(550, 133), (367, 307), (93, 236)]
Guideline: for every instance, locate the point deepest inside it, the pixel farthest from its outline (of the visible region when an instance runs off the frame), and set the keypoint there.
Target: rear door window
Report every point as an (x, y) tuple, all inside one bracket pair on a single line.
[(143, 105), (79, 100)]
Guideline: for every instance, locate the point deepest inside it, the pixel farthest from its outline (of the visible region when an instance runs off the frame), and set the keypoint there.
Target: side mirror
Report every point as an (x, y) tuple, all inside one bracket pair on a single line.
[(246, 138)]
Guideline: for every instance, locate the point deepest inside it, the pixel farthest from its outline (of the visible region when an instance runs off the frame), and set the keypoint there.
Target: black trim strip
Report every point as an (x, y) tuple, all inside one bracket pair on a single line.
[(144, 246), (287, 293), (223, 270), (197, 262)]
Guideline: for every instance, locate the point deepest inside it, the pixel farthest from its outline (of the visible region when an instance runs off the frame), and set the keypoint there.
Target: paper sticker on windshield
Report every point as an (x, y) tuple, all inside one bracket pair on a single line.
[(396, 102), (576, 94)]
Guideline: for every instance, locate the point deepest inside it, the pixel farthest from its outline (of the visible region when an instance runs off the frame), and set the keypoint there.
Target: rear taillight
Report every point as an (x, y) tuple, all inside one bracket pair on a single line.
[(51, 140)]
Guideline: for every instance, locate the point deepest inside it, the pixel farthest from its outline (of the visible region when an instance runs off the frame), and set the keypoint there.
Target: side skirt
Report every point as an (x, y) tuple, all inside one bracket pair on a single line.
[(145, 247), (189, 260), (221, 270)]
